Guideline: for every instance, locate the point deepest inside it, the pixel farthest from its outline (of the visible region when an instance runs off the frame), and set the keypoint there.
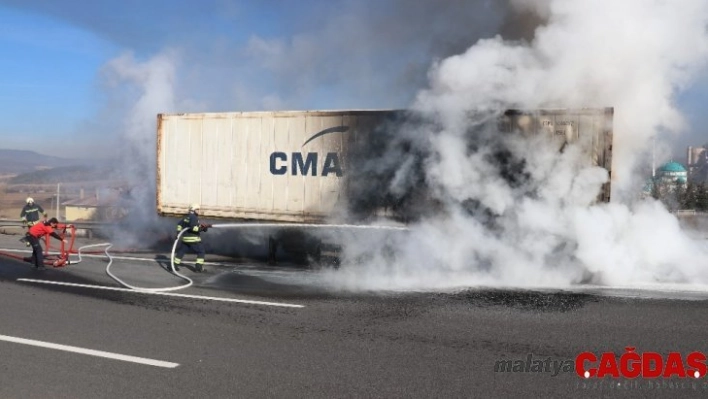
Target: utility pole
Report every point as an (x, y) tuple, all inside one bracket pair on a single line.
[(58, 187), (653, 157)]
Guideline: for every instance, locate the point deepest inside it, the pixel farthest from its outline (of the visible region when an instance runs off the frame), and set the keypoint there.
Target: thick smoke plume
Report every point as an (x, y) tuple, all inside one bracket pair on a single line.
[(266, 72), (488, 229), (635, 56), (139, 91)]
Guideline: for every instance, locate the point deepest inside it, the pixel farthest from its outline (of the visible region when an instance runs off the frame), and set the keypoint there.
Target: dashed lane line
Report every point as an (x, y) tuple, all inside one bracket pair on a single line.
[(90, 352)]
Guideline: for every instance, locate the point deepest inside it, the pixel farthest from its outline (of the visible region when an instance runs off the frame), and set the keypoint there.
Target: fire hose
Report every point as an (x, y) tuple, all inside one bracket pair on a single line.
[(63, 257)]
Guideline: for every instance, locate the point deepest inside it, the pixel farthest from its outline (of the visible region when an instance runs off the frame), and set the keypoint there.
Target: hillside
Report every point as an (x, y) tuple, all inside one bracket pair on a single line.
[(14, 162), (66, 174)]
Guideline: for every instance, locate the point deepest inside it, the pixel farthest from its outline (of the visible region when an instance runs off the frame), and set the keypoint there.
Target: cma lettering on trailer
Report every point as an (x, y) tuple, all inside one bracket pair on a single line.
[(307, 164)]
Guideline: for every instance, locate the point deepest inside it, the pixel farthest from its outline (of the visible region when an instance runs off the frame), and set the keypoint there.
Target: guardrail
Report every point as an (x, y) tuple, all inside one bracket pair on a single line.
[(87, 227), (690, 212)]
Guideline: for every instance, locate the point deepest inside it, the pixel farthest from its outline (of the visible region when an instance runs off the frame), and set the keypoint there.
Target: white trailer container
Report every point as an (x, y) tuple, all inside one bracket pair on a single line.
[(291, 166), (275, 166), (592, 126)]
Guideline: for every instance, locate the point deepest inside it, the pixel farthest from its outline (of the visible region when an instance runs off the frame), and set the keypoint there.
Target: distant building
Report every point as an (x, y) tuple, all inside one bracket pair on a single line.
[(672, 173), (106, 206), (669, 177), (697, 164)]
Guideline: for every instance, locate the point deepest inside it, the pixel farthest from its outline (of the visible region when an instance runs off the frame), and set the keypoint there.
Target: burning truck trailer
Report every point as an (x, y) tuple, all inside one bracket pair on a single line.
[(289, 180)]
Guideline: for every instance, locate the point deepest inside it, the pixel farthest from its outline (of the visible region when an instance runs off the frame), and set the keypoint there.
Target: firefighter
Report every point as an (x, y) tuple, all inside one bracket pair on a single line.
[(35, 233), (30, 213), (191, 238)]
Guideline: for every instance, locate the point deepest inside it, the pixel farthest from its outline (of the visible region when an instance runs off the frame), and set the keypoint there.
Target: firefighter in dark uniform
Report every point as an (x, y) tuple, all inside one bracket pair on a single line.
[(30, 213), (191, 238)]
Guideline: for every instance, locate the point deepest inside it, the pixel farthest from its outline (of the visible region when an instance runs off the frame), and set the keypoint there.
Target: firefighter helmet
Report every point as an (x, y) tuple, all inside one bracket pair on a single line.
[(194, 207), (30, 200)]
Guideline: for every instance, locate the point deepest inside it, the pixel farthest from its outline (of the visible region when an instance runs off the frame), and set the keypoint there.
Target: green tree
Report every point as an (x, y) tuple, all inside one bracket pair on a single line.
[(701, 201), (655, 189), (674, 197), (688, 200)]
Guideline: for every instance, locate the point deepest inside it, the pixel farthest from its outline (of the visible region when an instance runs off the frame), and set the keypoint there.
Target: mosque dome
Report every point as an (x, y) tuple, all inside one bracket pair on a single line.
[(673, 167)]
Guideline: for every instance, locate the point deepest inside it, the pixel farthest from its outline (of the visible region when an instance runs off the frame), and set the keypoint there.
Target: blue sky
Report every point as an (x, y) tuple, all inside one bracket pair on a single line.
[(68, 69), (54, 52), (48, 68), (227, 55)]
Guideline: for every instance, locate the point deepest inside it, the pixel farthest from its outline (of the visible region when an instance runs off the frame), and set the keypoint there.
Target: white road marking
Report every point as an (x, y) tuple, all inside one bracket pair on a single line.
[(210, 298), (73, 261), (91, 352)]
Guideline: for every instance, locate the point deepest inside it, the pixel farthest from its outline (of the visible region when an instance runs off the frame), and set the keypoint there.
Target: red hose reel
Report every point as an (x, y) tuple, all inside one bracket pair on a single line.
[(62, 258)]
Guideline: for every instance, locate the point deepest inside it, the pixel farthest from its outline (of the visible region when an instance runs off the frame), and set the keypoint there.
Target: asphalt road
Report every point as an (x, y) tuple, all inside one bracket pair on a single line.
[(309, 342)]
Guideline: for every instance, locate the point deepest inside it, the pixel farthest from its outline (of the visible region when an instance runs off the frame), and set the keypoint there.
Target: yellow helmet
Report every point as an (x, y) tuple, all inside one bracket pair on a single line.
[(194, 207), (30, 200)]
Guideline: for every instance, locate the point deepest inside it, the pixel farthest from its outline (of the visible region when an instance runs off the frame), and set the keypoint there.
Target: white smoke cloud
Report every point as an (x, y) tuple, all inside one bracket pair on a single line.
[(139, 90), (151, 86), (642, 244), (633, 55)]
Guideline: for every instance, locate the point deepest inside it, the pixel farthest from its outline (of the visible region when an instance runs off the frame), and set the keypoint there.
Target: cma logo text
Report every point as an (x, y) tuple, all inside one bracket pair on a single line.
[(310, 163), (305, 164)]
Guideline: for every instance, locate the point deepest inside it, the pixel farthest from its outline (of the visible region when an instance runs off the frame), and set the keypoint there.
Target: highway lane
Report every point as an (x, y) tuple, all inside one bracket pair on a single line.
[(337, 345)]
